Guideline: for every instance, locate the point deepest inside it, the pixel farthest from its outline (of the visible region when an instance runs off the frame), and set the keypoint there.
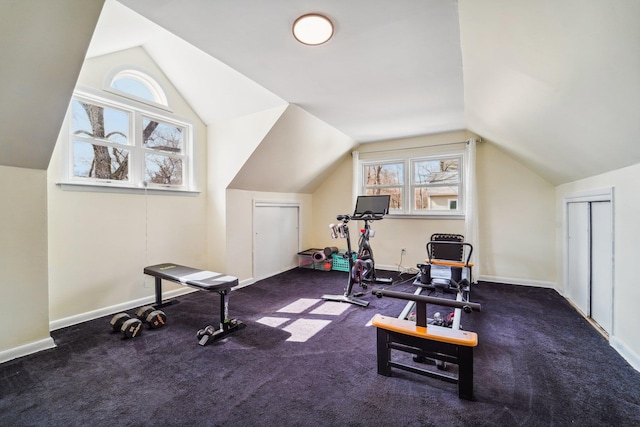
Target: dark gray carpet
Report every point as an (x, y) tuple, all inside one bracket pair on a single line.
[(538, 363)]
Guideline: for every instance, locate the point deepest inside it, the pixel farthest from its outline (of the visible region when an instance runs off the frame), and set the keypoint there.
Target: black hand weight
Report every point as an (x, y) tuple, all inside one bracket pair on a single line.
[(129, 326), (152, 317)]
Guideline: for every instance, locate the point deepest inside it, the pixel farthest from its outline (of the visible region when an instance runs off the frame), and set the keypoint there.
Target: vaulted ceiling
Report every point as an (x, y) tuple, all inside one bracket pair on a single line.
[(554, 83)]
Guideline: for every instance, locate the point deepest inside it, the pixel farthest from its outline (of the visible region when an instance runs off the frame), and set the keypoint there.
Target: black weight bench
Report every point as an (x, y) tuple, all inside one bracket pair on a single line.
[(202, 280), (435, 342)]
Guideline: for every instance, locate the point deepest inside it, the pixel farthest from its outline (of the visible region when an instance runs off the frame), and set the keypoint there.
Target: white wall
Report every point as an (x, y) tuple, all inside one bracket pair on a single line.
[(239, 227), (516, 219), (24, 311), (625, 336), (335, 197), (274, 155), (231, 143), (99, 242), (517, 223)]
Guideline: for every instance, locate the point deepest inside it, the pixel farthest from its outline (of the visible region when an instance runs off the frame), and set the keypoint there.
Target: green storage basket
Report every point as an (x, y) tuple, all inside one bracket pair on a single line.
[(340, 263)]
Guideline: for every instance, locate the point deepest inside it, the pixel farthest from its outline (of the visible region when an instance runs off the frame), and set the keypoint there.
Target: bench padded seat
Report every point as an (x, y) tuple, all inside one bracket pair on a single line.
[(188, 276), (432, 332)]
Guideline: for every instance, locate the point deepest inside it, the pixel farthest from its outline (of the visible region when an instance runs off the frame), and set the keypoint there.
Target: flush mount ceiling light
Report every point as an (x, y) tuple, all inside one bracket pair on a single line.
[(312, 29)]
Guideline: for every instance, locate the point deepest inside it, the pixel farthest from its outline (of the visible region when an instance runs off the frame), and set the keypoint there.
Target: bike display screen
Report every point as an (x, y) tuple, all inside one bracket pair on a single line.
[(377, 205)]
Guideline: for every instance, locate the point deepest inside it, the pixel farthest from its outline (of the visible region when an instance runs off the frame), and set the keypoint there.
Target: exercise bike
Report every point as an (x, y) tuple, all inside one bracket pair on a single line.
[(362, 269)]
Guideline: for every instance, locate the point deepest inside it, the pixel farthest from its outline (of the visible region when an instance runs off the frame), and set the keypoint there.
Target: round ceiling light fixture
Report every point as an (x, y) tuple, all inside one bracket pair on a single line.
[(313, 29)]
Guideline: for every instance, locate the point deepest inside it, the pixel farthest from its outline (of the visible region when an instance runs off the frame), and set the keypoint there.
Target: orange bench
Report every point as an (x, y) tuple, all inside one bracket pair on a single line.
[(448, 263), (431, 341)]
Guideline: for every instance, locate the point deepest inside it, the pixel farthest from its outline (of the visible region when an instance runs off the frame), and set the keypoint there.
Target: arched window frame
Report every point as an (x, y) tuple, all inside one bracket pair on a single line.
[(160, 99), (139, 155)]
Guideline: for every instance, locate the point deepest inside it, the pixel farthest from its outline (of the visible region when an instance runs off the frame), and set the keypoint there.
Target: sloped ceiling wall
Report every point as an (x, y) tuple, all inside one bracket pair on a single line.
[(555, 83), (43, 45), (295, 156), (214, 90), (232, 142)]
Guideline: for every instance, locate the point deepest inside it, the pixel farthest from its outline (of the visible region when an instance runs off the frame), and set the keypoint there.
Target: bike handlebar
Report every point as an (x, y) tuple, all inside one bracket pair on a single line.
[(364, 216)]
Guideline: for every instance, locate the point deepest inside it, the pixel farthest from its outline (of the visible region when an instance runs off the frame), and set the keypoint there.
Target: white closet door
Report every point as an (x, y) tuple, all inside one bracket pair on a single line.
[(276, 239), (579, 257), (601, 264)]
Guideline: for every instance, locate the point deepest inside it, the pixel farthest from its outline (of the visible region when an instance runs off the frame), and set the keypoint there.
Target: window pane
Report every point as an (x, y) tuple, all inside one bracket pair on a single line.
[(384, 174), (444, 171), (95, 121), (133, 87), (161, 169), (395, 201), (99, 161), (162, 136), (435, 198)]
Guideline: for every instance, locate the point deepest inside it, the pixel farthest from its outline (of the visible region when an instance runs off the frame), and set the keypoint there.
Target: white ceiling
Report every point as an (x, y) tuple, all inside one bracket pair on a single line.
[(392, 69), (555, 83)]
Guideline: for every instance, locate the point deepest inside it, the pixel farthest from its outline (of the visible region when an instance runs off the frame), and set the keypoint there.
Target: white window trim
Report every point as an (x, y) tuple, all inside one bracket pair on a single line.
[(137, 180), (408, 157), (144, 77)]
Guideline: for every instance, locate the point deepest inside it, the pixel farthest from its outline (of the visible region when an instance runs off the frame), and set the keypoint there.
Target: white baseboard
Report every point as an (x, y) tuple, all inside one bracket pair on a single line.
[(150, 300), (496, 279), (244, 283), (397, 268), (26, 349), (45, 344), (625, 352), (85, 317), (514, 281)]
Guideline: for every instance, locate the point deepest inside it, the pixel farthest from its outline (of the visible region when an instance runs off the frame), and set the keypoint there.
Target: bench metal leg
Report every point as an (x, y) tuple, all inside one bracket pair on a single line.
[(159, 303), (465, 373), (384, 353)]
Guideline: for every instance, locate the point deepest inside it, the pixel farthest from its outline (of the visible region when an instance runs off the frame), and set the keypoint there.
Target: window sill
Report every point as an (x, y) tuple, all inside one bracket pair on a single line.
[(111, 188), (428, 217)]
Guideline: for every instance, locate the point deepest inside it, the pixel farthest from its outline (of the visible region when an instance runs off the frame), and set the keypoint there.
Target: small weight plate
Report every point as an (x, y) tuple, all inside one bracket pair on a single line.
[(131, 328)]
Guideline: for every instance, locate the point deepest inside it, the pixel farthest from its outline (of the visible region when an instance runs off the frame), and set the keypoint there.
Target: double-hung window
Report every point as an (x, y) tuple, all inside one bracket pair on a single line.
[(421, 185), (101, 141)]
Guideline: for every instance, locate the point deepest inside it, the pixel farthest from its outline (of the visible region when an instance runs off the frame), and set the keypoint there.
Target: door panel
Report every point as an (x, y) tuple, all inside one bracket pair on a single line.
[(578, 255), (276, 238), (601, 264)]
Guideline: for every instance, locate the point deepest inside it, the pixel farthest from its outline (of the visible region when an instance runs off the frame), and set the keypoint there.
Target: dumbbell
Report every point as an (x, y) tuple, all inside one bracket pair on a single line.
[(152, 317), (204, 334), (129, 326), (425, 273)]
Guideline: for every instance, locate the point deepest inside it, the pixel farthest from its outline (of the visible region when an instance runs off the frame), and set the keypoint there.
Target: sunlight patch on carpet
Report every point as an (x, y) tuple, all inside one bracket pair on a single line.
[(331, 308), (274, 322), (303, 329), (299, 305)]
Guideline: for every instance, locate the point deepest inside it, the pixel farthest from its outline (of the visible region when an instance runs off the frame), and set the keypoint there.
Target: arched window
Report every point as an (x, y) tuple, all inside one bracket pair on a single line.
[(127, 136), (138, 85)]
